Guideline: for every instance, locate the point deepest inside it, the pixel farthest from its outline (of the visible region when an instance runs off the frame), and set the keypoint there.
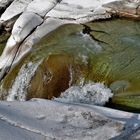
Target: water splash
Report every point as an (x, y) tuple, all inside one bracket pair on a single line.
[(87, 38), (21, 83), (91, 93)]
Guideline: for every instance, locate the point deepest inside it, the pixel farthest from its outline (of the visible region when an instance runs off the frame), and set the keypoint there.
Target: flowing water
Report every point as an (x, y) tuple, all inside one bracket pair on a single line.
[(21, 82), (91, 93), (103, 58)]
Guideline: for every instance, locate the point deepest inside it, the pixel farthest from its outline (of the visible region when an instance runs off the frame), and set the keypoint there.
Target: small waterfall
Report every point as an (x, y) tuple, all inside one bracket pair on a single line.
[(18, 90), (91, 93)]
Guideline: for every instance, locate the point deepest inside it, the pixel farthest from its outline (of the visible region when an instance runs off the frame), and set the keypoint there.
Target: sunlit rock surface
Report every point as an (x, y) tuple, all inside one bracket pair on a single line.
[(43, 119), (4, 4), (11, 13)]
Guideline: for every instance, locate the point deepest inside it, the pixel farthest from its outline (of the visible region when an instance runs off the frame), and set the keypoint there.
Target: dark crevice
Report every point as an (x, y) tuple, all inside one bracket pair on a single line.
[(88, 30), (112, 105)]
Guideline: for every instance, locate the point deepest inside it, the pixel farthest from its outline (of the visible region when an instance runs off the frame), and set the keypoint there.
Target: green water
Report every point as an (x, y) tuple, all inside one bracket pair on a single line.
[(114, 58)]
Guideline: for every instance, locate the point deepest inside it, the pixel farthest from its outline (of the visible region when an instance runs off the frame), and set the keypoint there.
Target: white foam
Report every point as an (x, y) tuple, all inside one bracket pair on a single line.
[(91, 93), (96, 48), (21, 83)]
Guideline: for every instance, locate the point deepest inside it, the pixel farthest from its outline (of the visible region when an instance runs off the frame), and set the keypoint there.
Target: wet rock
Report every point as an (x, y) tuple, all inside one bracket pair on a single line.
[(125, 8), (135, 135)]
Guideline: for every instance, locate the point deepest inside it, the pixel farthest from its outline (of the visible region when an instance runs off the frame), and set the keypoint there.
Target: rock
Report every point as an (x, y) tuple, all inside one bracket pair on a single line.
[(29, 20), (54, 46), (138, 10), (125, 8), (135, 135), (3, 39), (41, 7), (11, 13), (17, 36), (62, 121), (4, 4)]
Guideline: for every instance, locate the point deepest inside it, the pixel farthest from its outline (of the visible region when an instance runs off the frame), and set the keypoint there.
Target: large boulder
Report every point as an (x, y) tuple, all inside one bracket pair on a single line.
[(44, 119)]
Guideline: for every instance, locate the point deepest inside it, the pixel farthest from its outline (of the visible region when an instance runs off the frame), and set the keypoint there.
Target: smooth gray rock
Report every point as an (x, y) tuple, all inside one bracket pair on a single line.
[(58, 121), (11, 13), (4, 3)]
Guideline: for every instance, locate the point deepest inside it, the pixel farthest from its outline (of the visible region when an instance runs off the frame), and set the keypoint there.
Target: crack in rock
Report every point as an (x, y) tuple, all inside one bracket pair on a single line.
[(88, 30)]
